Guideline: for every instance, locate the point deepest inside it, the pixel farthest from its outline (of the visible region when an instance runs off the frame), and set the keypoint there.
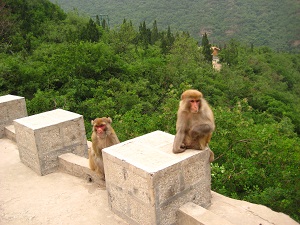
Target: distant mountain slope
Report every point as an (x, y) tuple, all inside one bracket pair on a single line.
[(272, 23)]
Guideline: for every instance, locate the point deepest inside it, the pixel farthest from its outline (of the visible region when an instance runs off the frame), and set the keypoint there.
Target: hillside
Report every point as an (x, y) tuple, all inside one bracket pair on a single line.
[(263, 23)]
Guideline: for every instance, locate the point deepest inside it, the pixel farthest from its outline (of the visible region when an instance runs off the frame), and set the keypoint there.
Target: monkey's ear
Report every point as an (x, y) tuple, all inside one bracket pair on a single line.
[(182, 96), (92, 122), (109, 120)]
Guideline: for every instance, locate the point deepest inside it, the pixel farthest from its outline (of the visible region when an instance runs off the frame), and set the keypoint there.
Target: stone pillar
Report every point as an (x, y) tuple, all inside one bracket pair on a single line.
[(147, 183), (11, 107), (41, 138)]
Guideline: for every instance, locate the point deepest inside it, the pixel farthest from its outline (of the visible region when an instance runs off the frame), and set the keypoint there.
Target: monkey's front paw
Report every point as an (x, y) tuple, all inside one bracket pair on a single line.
[(178, 150), (183, 146)]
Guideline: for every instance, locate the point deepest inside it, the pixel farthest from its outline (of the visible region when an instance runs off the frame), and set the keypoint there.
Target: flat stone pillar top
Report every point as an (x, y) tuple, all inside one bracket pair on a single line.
[(151, 152), (7, 98), (47, 118), (147, 183)]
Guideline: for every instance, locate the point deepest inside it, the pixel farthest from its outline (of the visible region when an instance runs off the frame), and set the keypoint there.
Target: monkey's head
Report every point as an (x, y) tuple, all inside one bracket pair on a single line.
[(192, 100), (101, 125)]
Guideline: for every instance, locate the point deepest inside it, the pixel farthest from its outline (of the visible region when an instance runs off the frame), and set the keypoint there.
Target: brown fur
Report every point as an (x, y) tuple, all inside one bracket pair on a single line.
[(195, 123), (105, 137)]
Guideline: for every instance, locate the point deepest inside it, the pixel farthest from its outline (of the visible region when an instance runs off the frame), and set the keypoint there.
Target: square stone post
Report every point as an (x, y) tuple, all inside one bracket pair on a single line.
[(147, 183), (11, 107), (41, 138)]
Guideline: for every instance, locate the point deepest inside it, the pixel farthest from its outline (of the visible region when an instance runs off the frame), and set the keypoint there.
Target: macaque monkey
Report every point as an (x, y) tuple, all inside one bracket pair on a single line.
[(195, 123), (103, 136)]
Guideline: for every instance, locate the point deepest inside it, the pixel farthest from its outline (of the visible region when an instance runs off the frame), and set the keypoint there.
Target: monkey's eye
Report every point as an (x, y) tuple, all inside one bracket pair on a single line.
[(192, 101), (101, 125)]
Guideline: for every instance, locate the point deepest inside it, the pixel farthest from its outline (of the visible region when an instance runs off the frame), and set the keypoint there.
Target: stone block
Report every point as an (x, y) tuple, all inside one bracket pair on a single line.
[(41, 138), (147, 183), (10, 133), (11, 107), (192, 214), (78, 166)]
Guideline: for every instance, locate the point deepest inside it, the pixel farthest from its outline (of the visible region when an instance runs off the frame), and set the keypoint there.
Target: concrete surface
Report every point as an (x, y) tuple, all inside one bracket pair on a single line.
[(58, 198)]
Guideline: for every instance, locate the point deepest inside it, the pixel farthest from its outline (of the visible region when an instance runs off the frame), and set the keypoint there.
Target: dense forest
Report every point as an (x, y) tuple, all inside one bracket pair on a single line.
[(136, 76), (261, 23)]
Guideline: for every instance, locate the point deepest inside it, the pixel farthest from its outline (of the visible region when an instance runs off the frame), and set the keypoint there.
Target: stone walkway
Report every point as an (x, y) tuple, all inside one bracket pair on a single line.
[(58, 198)]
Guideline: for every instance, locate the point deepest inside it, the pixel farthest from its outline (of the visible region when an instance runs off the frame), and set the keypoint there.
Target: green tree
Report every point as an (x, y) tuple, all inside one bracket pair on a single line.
[(90, 32), (145, 35), (125, 38), (7, 22), (170, 37), (154, 33), (167, 40), (104, 24), (231, 52), (97, 20), (206, 48)]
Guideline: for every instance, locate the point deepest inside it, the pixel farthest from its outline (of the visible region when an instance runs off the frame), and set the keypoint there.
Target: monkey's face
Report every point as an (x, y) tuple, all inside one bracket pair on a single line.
[(192, 100), (194, 105), (100, 126)]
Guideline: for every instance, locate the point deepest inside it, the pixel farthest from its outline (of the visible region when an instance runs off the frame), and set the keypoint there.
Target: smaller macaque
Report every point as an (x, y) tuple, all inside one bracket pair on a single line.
[(103, 136), (195, 123)]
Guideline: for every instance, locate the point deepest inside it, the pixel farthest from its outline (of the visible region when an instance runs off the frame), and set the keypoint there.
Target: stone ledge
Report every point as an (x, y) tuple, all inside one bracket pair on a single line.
[(78, 166), (241, 212), (192, 214), (10, 132)]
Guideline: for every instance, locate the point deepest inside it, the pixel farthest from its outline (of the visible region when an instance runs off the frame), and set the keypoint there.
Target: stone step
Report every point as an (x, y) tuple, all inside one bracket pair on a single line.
[(10, 133), (78, 166), (192, 214)]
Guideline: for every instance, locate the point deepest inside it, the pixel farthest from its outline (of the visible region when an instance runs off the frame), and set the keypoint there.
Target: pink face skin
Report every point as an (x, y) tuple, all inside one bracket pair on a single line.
[(100, 128), (194, 105)]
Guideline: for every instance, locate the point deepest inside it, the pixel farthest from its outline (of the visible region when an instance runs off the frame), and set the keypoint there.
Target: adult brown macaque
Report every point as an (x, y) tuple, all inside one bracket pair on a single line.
[(195, 123), (103, 136)]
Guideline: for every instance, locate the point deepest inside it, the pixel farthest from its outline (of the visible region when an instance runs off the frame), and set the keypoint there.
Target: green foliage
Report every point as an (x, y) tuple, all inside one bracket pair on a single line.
[(137, 76), (261, 23), (206, 48), (90, 32), (255, 167), (28, 17), (45, 101), (230, 53)]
